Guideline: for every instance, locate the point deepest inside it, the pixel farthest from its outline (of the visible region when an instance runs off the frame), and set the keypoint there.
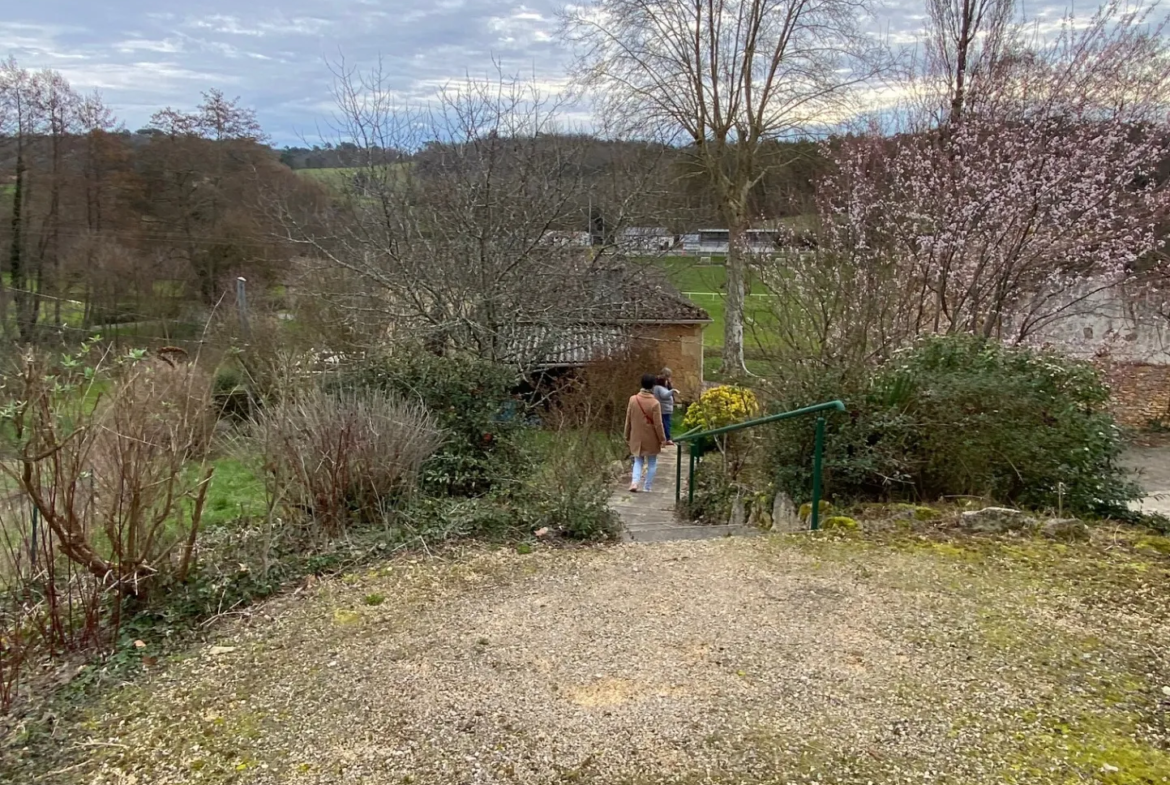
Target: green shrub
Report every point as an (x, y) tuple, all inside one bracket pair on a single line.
[(805, 512), (721, 406), (956, 415), (471, 399), (568, 488), (438, 519), (230, 394)]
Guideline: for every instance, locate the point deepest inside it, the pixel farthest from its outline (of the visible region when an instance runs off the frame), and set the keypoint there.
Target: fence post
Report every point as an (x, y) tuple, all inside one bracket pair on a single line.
[(818, 449), (242, 307), (678, 474)]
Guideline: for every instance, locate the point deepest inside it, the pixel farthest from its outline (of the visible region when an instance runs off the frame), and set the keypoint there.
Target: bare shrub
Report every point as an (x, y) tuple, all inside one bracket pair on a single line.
[(343, 457), (49, 606), (110, 473)]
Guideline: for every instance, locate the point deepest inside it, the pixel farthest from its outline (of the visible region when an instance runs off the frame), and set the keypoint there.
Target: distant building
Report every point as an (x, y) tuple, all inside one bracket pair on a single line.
[(1126, 334), (563, 239), (717, 241), (646, 239)]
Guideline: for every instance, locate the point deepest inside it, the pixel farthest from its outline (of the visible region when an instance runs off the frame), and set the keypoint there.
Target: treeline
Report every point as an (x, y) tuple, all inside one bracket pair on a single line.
[(673, 190), (340, 156), (99, 226)]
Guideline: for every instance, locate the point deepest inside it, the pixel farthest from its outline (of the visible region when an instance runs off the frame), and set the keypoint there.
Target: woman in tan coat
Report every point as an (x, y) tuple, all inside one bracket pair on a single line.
[(644, 433)]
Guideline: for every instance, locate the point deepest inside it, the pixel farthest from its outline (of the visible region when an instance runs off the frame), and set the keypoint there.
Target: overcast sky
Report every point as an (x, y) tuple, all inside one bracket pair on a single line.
[(143, 55)]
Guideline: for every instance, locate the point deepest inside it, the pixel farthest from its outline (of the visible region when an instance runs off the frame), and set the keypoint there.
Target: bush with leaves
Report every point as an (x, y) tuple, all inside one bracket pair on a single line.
[(958, 415), (345, 456), (471, 400), (567, 491), (724, 405)]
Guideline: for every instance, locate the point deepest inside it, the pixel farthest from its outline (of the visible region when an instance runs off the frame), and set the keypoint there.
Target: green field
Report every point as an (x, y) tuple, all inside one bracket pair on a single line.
[(705, 284), (340, 176)]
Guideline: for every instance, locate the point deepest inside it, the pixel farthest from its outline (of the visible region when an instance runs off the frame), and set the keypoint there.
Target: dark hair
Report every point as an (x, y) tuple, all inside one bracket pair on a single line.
[(647, 381)]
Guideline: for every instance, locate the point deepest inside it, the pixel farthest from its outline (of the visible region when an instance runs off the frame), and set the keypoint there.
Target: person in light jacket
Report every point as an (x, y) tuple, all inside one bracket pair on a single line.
[(667, 396), (644, 433)]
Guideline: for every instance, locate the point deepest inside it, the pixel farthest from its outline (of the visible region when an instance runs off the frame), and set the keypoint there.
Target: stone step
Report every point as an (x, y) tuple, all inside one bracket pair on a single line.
[(666, 533)]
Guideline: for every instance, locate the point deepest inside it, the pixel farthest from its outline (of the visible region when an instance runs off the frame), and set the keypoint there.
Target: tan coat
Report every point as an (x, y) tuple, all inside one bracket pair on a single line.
[(644, 438)]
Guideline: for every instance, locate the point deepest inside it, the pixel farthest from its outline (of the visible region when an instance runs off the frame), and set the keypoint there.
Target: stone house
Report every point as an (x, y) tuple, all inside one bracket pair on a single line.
[(635, 309), (1128, 336)]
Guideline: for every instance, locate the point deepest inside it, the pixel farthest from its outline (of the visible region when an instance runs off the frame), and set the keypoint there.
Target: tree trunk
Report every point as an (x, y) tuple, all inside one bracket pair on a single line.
[(733, 360), (20, 294)]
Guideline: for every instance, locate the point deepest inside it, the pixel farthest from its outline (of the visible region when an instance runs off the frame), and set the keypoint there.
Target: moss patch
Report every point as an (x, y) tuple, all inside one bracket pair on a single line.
[(839, 523)]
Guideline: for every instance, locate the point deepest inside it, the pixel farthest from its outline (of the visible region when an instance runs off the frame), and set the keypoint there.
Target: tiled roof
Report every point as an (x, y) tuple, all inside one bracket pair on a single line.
[(558, 346)]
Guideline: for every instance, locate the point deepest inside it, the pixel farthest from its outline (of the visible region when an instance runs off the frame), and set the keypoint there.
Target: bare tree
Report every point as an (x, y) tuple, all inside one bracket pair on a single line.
[(480, 244), (19, 122), (727, 76), (965, 43)]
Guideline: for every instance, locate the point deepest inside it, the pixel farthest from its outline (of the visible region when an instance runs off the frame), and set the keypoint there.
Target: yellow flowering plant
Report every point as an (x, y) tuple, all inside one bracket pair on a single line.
[(720, 406)]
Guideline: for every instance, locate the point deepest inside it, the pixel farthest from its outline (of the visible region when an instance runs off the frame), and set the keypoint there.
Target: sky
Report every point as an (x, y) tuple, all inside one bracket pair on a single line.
[(275, 55)]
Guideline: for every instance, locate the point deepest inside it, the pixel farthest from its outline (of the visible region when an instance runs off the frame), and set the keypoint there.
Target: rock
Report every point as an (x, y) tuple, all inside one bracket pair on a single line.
[(215, 651), (784, 517), (994, 520), (737, 514), (753, 520), (1065, 530), (840, 523)]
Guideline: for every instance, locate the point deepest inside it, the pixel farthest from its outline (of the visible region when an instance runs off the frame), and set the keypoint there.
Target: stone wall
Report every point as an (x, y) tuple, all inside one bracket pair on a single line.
[(680, 348), (1141, 393)]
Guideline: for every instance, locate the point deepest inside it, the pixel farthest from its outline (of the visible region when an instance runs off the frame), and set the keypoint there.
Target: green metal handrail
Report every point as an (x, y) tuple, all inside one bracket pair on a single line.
[(818, 451)]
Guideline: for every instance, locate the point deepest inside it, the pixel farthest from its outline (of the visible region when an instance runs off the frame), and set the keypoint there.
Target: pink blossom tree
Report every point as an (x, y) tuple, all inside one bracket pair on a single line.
[(1018, 190)]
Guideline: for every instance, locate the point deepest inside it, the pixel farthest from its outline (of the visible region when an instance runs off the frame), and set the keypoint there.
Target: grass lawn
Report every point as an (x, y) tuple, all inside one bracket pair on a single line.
[(235, 492), (704, 285)]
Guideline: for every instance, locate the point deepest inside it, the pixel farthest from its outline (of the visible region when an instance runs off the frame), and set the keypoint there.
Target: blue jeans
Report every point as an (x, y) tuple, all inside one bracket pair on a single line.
[(666, 425), (651, 463)]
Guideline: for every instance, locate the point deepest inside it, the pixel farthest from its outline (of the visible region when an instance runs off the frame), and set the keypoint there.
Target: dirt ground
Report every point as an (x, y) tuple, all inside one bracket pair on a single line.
[(744, 660)]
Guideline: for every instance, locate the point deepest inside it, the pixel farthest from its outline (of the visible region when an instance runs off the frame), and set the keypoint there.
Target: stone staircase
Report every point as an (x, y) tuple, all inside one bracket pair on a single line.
[(649, 517)]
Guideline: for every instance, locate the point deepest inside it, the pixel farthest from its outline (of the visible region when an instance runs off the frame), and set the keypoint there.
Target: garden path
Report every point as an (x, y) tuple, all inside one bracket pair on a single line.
[(649, 517)]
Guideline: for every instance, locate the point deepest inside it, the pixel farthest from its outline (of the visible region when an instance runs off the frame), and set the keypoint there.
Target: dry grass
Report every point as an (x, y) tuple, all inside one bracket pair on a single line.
[(749, 661)]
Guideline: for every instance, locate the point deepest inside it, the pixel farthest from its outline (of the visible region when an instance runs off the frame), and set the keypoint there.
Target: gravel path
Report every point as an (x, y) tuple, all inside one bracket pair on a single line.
[(737, 660)]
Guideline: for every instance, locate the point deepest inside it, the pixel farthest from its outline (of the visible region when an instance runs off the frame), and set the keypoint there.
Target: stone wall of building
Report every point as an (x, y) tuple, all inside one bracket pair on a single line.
[(1140, 392), (680, 348)]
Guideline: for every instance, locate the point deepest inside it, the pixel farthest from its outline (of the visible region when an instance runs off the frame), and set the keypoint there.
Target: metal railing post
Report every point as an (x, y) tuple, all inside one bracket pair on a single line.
[(818, 450), (678, 473), (691, 476), (692, 436)]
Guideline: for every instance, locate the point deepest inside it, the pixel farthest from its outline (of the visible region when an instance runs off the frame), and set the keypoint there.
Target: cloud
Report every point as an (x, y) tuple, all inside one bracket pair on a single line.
[(274, 54)]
